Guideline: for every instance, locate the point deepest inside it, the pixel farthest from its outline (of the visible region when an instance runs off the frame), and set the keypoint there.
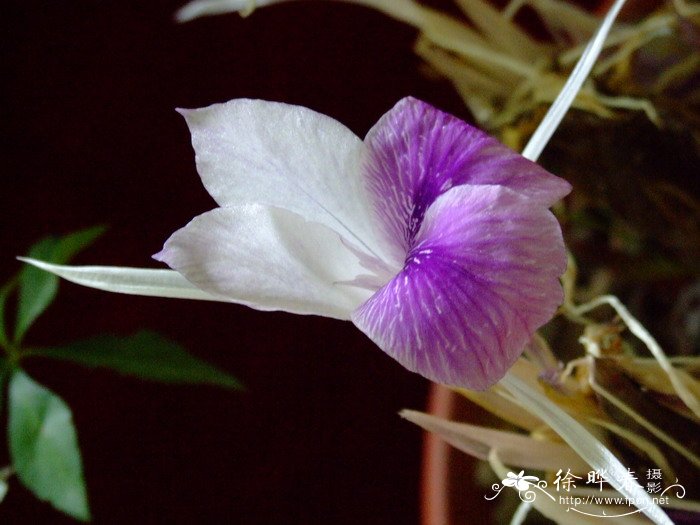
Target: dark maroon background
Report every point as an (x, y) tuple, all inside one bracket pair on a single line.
[(90, 136)]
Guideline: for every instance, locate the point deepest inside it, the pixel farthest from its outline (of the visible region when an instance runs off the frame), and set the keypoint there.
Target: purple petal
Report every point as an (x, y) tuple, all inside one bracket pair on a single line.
[(415, 153), (481, 277)]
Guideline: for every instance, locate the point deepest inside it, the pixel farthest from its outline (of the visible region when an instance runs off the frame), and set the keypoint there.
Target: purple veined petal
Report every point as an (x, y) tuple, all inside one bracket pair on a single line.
[(253, 151), (415, 153), (269, 259), (481, 277)]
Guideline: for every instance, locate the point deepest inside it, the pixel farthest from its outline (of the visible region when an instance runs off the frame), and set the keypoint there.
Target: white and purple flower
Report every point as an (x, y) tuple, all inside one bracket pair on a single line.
[(432, 237)]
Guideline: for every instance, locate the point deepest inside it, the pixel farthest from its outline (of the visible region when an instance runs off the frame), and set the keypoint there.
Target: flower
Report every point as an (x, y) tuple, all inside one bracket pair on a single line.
[(432, 237)]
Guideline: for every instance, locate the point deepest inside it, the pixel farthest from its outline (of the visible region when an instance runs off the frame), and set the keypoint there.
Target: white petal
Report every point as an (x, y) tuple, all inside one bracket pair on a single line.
[(587, 446), (257, 152), (267, 258), (567, 95), (134, 281)]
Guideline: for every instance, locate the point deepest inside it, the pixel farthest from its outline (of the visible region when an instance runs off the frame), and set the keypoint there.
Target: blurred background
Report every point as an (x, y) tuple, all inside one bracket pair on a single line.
[(90, 136)]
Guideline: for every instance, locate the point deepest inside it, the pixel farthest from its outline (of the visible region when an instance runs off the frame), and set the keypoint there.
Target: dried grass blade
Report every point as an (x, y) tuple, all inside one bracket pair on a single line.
[(643, 335), (502, 32), (587, 446), (515, 449)]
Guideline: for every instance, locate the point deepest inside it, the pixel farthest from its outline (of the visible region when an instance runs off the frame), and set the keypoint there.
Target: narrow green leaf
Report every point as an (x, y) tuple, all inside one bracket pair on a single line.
[(146, 355), (5, 291), (36, 291), (37, 288), (5, 369), (44, 446)]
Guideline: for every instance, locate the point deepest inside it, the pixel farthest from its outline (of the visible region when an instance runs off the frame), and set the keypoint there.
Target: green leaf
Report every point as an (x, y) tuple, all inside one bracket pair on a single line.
[(37, 288), (146, 355), (5, 369), (44, 446), (5, 291)]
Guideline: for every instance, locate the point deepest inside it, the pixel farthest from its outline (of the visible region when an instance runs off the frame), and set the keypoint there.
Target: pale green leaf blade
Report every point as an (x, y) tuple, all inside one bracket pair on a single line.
[(44, 446), (585, 445), (133, 281), (146, 355), (38, 289)]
